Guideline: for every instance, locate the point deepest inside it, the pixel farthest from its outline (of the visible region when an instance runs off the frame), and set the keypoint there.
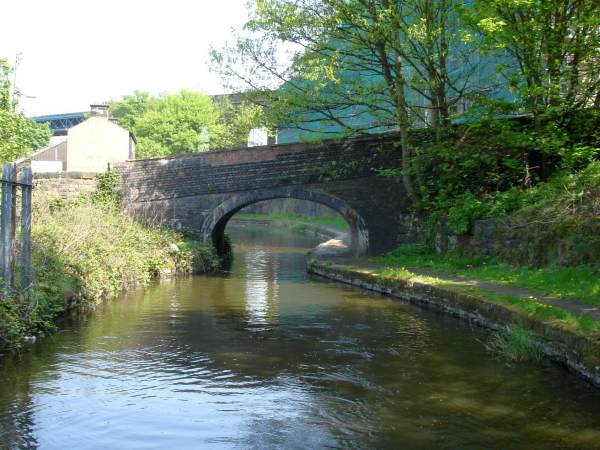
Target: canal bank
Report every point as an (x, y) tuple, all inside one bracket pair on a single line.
[(563, 331), (331, 233), (85, 252), (267, 356), (567, 338)]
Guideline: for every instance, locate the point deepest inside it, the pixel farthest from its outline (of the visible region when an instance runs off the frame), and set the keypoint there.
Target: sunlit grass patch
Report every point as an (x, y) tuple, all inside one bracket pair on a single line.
[(580, 283), (334, 222), (528, 307)]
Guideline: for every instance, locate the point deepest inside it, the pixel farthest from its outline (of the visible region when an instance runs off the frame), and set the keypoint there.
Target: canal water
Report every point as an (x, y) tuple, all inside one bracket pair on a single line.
[(266, 356)]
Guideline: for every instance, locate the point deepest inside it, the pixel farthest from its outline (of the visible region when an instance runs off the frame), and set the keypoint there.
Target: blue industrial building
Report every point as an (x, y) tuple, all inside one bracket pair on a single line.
[(60, 123)]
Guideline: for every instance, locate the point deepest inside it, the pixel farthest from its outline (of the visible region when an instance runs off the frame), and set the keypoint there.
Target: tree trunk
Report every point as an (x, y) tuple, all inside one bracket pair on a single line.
[(406, 164)]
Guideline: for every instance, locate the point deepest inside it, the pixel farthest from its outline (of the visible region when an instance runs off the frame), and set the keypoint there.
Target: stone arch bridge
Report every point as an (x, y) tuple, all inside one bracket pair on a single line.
[(204, 190)]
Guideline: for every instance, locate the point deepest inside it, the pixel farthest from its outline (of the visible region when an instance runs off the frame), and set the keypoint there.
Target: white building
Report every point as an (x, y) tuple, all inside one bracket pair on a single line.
[(89, 146)]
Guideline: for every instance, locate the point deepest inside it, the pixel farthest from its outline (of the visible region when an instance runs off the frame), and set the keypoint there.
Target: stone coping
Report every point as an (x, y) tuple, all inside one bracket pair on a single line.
[(369, 139), (578, 353), (65, 175)]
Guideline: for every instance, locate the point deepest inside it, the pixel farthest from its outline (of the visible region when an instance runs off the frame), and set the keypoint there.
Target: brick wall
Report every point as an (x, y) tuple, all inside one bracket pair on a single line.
[(186, 190)]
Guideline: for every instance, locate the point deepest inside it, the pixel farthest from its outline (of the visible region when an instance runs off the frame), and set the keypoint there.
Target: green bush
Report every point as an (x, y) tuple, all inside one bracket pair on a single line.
[(108, 190), (105, 250), (12, 328), (489, 168), (559, 196), (469, 161)]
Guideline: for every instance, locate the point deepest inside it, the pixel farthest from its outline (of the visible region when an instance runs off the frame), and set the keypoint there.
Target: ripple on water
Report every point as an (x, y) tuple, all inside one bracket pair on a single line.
[(267, 357)]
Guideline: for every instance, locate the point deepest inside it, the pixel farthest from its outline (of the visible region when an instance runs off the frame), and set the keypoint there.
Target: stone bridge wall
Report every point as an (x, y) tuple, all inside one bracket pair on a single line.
[(290, 206), (204, 190)]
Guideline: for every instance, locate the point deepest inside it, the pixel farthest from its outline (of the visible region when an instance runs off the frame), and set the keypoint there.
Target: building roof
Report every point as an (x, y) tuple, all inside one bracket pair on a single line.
[(60, 123)]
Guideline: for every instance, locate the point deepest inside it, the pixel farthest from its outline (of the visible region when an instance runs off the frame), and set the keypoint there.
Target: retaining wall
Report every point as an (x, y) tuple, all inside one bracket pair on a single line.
[(64, 185)]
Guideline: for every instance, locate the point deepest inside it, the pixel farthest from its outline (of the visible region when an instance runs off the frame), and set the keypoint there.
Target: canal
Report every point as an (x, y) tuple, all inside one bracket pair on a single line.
[(266, 356)]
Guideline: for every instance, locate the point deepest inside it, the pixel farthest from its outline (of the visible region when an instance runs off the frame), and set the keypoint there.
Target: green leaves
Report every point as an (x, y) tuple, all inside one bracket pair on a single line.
[(554, 49), (176, 124), (336, 68), (131, 108), (108, 190), (19, 135), (185, 122), (235, 123)]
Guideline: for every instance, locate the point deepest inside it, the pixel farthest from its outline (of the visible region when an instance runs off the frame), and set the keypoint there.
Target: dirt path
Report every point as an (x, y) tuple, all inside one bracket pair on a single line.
[(568, 305)]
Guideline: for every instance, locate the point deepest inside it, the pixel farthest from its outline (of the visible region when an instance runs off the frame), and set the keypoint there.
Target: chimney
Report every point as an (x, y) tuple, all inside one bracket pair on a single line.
[(99, 111)]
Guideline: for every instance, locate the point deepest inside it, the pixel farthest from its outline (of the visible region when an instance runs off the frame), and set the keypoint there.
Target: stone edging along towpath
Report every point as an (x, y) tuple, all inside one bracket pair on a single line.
[(577, 352)]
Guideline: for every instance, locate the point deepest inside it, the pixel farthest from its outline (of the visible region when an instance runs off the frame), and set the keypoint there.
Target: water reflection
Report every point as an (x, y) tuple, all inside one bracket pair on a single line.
[(261, 288), (267, 357)]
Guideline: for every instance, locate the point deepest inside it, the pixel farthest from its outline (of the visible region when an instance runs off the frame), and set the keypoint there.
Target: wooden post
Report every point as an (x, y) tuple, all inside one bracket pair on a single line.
[(5, 225), (27, 181)]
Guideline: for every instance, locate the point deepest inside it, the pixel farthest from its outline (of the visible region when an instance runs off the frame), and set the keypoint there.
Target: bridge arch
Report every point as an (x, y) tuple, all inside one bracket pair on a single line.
[(213, 226)]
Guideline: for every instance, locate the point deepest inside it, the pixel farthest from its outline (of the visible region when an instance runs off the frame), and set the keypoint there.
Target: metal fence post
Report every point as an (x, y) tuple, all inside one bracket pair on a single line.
[(27, 182), (5, 224), (2, 221), (13, 225)]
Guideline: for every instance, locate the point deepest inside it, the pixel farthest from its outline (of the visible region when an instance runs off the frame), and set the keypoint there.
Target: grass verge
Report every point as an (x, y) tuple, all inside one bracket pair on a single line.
[(579, 283), (529, 308), (333, 222)]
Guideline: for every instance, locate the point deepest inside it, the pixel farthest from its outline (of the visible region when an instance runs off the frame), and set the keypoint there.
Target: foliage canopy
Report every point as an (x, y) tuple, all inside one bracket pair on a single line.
[(18, 134), (184, 122)]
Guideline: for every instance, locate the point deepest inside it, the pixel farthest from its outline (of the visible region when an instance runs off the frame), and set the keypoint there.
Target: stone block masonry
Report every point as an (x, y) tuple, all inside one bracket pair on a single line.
[(291, 207), (205, 190), (64, 185)]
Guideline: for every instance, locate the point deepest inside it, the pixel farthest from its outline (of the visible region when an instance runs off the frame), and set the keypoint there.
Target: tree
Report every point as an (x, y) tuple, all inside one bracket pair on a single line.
[(130, 108), (555, 45), (237, 121), (184, 122), (18, 134), (352, 66), (177, 123)]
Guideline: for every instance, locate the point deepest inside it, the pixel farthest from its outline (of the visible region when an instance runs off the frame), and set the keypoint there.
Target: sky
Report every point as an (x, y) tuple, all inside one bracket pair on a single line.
[(78, 52)]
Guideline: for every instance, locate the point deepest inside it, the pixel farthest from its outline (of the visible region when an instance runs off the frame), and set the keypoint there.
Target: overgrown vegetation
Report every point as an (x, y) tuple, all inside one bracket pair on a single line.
[(88, 250), (543, 185), (494, 168)]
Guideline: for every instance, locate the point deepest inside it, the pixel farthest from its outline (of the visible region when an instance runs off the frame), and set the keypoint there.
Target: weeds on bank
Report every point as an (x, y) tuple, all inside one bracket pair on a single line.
[(516, 344), (87, 250), (105, 250)]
